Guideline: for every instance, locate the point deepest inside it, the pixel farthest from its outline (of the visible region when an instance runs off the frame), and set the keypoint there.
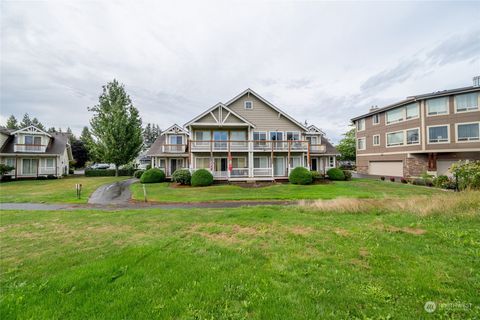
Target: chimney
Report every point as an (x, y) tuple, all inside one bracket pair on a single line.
[(476, 81), (373, 108)]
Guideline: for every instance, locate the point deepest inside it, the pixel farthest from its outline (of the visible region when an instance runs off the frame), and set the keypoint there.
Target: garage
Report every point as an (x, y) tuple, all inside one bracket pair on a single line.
[(386, 168), (443, 166)]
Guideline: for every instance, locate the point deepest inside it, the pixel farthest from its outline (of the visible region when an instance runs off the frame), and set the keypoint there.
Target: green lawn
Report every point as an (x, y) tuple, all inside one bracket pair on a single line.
[(357, 188), (52, 191), (245, 263)]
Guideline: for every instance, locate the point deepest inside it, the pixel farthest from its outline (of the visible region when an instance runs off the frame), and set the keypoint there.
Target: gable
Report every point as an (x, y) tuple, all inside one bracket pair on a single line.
[(219, 115), (263, 116), (175, 129)]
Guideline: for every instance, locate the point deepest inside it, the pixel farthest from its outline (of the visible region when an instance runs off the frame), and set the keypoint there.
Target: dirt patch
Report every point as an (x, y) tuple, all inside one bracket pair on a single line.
[(342, 232), (360, 263), (414, 231), (363, 252), (298, 230), (175, 185)]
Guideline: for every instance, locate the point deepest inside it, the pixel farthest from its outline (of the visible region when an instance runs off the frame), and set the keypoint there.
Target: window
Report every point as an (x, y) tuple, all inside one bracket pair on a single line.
[(361, 125), (176, 139), (376, 119), (395, 138), (410, 111), (395, 115), (293, 135), (376, 140), (248, 105), (438, 134), (361, 144), (239, 138), (202, 163), (468, 131), (437, 106), (413, 136), (276, 136), (295, 162), (260, 162), (466, 102), (10, 162), (259, 136), (202, 138), (331, 161), (49, 163), (239, 163), (32, 140)]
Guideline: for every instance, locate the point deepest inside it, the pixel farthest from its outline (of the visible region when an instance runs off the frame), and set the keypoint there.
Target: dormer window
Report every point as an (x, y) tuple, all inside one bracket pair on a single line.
[(248, 105), (33, 140)]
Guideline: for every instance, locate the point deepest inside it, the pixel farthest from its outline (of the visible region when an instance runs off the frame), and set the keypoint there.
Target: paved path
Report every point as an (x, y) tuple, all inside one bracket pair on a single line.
[(116, 193)]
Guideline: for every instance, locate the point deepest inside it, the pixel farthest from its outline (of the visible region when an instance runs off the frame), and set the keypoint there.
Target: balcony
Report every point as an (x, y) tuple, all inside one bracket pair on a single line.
[(249, 145), (318, 148), (174, 148), (29, 148)]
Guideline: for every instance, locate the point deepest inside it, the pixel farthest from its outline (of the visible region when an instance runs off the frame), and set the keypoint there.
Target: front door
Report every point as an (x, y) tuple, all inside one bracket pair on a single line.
[(173, 165), (314, 164), (279, 166)]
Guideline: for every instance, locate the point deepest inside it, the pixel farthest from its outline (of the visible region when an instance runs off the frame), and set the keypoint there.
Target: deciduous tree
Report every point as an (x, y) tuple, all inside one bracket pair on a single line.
[(347, 146)]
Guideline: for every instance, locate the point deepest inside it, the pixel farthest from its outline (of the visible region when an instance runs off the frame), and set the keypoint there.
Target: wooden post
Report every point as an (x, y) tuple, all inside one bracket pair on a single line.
[(288, 156), (16, 166), (308, 155), (56, 167), (272, 158), (144, 193)]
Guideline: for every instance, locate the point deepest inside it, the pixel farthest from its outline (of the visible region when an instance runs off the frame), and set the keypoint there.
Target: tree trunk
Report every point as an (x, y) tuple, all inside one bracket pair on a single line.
[(116, 170)]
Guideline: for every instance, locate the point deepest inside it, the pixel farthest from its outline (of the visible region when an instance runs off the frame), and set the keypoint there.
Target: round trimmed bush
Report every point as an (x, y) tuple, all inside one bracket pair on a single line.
[(315, 175), (182, 176), (137, 174), (202, 178), (335, 174), (347, 174), (153, 175), (300, 175)]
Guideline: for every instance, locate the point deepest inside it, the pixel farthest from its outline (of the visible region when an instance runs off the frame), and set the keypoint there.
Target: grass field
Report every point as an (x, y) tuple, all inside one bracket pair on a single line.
[(52, 191), (337, 259), (357, 188)]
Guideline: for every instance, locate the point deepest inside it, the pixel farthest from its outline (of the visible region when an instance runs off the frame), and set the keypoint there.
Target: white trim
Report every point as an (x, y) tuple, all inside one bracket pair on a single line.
[(373, 117), (28, 130), (396, 145), (218, 105), (312, 129), (405, 138), (270, 135), (446, 98), (473, 110), (438, 125), (171, 130), (213, 115), (266, 134), (373, 140), (404, 119), (245, 104), (364, 144), (466, 141), (250, 91), (420, 151), (364, 125), (299, 135)]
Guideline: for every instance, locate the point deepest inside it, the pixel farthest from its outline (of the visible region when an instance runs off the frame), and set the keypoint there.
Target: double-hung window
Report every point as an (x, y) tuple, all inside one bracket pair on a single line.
[(468, 132), (361, 144), (467, 102), (376, 119), (360, 124), (438, 134), (49, 163), (260, 162), (376, 140), (202, 138), (395, 138), (437, 106)]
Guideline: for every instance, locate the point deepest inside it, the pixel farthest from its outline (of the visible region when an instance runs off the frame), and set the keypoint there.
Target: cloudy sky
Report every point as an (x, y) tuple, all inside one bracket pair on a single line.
[(321, 61)]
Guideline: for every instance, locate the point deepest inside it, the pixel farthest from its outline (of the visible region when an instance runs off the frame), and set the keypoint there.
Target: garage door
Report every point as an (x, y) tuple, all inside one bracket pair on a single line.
[(386, 168), (443, 166)]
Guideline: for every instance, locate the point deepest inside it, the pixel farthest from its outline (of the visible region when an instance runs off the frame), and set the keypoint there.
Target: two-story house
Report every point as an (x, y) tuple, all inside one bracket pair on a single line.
[(423, 133), (33, 152), (246, 138)]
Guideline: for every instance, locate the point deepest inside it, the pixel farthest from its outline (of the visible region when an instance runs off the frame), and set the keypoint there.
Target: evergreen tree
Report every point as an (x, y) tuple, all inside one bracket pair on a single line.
[(87, 140), (347, 146), (150, 134), (37, 124), (116, 126), (12, 123), (26, 122), (51, 130), (71, 136), (80, 153)]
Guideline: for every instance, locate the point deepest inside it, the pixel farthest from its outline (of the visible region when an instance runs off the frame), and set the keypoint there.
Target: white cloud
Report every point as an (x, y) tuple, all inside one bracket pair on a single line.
[(325, 62)]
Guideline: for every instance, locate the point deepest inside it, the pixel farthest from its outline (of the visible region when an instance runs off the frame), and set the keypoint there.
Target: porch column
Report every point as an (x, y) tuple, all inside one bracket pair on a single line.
[(38, 166), (56, 167), (16, 166), (271, 158)]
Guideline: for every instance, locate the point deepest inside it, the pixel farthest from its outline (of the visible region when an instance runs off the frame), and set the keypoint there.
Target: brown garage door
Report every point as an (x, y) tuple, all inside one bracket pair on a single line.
[(386, 168)]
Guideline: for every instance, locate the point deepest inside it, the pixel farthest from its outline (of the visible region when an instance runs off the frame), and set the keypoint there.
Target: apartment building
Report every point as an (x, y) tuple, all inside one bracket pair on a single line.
[(423, 133), (246, 138)]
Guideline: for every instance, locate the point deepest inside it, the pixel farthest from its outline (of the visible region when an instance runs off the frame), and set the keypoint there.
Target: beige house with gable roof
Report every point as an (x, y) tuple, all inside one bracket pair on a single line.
[(247, 138)]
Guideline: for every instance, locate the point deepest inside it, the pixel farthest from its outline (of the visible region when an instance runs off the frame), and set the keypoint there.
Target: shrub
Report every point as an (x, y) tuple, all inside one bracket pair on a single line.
[(335, 174), (392, 179), (153, 175), (316, 175), (467, 174), (418, 182), (107, 172), (71, 170), (5, 168), (300, 175), (444, 182), (403, 180), (201, 178), (138, 173), (182, 176), (51, 177), (149, 166), (42, 178), (382, 178), (347, 174)]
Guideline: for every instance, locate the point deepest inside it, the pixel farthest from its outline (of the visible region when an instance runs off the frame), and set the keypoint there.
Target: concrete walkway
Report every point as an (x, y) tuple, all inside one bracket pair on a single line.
[(117, 193)]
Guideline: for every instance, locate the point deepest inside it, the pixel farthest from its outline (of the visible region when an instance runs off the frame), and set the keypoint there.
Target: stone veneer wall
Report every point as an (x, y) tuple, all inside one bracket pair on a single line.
[(415, 166)]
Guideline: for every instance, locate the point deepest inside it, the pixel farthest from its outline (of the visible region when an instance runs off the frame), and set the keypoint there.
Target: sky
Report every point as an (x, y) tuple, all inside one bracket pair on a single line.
[(324, 62)]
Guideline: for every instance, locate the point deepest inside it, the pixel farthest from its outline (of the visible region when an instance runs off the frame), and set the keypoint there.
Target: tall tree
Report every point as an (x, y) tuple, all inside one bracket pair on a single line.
[(150, 134), (87, 140), (347, 146), (116, 126), (37, 124), (12, 122), (26, 122), (80, 153), (51, 130), (71, 136)]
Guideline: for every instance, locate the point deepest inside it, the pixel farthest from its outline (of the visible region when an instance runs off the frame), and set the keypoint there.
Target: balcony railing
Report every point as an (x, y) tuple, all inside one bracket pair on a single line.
[(262, 172), (249, 145), (318, 148), (29, 147), (174, 148), (239, 172)]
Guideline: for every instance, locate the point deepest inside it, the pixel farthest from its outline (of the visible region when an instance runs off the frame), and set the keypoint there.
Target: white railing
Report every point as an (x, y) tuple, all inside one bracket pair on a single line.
[(318, 148), (29, 148), (174, 148), (239, 172), (43, 171), (262, 172), (247, 145), (220, 174)]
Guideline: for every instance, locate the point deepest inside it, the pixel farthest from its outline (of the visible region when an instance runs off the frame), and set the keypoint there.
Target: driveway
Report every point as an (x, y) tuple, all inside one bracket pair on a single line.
[(116, 193)]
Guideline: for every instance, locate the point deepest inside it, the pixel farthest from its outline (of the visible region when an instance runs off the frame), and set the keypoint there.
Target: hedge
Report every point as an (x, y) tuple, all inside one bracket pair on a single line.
[(153, 175), (335, 174), (182, 176), (202, 178), (108, 172), (137, 174), (300, 175)]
